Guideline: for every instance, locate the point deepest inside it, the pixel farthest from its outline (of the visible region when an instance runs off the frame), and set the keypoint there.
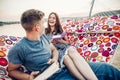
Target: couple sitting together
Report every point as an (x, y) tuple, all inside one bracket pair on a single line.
[(37, 51)]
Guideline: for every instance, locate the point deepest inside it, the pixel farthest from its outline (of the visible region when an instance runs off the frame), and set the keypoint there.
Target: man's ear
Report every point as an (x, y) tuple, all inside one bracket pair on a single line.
[(37, 27)]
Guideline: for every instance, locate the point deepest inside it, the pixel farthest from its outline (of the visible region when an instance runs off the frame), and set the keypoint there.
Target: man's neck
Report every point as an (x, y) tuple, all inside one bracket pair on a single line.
[(33, 36)]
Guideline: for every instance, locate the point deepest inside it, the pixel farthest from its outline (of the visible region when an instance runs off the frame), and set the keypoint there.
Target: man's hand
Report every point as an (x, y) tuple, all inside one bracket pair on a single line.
[(33, 74), (52, 61)]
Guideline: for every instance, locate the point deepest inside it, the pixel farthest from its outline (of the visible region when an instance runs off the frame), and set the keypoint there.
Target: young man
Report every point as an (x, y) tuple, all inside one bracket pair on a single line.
[(36, 53)]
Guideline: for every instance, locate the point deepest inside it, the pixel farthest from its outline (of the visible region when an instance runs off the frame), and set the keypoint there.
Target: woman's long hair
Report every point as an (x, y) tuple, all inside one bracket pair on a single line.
[(58, 27)]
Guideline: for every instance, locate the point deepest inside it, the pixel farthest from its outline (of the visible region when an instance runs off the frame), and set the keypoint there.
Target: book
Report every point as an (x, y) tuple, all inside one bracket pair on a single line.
[(48, 72), (59, 36), (56, 37)]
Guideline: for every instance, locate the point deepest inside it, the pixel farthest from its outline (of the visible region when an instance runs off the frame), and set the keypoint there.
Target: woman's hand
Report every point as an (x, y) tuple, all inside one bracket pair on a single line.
[(33, 74), (54, 41), (60, 40), (63, 41)]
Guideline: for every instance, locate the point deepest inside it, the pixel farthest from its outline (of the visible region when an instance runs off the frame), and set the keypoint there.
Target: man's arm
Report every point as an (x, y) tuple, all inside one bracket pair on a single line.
[(53, 68), (54, 52), (13, 72)]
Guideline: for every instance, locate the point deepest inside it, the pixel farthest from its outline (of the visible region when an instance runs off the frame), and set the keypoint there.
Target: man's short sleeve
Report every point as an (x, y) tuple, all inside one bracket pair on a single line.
[(14, 55), (45, 37)]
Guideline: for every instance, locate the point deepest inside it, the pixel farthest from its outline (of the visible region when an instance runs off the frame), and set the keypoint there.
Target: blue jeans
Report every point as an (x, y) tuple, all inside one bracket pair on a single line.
[(62, 74), (102, 70), (105, 71)]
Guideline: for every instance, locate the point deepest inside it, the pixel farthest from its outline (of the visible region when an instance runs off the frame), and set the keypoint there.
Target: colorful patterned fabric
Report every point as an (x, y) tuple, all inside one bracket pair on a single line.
[(95, 39), (6, 42)]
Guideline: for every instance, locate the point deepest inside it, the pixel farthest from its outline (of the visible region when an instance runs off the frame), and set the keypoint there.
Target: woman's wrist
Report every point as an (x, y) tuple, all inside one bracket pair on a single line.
[(68, 42)]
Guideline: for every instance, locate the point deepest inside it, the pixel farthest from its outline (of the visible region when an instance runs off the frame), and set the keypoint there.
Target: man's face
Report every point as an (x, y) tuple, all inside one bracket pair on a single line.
[(41, 26)]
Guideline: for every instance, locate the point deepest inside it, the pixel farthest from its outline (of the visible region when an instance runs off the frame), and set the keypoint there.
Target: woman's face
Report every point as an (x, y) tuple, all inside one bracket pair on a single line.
[(52, 20)]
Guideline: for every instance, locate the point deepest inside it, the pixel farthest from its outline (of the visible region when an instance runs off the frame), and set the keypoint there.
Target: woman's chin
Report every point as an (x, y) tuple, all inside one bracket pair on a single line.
[(52, 24)]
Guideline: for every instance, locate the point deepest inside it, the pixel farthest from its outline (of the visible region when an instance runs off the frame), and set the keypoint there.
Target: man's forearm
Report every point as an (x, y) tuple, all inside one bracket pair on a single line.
[(19, 75), (55, 54)]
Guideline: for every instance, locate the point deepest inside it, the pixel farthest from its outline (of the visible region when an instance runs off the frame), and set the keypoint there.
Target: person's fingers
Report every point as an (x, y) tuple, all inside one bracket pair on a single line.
[(57, 63), (50, 61), (54, 61), (34, 73)]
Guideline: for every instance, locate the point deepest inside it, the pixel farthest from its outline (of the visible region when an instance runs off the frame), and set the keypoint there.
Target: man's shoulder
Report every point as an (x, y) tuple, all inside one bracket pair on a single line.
[(19, 44), (45, 37)]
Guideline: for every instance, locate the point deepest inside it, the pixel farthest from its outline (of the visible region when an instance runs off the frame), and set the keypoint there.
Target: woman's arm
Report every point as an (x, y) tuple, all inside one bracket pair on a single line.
[(65, 40)]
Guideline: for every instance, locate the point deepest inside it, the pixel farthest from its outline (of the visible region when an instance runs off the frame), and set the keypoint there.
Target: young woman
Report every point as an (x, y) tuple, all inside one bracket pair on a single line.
[(68, 54)]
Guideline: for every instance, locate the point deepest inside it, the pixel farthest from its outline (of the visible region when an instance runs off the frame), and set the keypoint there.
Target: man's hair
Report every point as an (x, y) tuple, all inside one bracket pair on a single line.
[(30, 17)]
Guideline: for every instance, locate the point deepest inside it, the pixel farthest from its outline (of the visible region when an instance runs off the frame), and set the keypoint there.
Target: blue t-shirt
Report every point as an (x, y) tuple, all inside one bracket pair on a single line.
[(34, 55)]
